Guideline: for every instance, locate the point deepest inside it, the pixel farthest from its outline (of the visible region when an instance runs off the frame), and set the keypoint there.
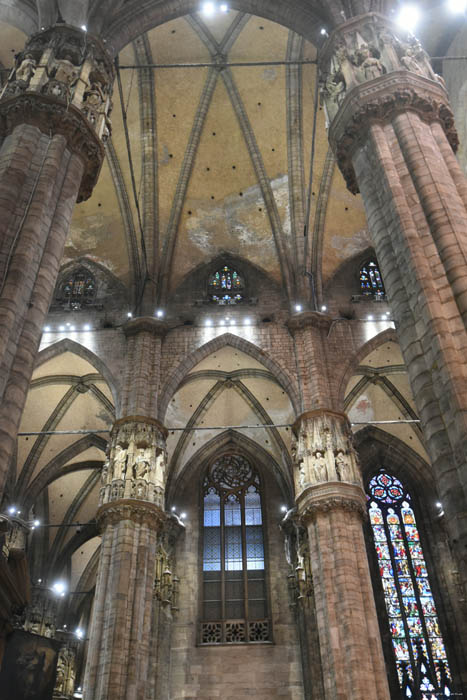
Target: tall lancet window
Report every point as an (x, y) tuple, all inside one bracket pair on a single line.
[(371, 283), (234, 575), (418, 646)]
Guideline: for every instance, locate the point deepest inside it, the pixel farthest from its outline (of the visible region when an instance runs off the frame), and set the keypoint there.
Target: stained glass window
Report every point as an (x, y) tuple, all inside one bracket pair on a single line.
[(419, 650), (79, 289), (371, 283), (234, 576), (226, 286)]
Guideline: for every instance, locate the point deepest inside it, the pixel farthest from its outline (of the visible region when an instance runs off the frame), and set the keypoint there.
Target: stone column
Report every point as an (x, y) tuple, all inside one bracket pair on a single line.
[(331, 504), (53, 117), (393, 134), (131, 517)]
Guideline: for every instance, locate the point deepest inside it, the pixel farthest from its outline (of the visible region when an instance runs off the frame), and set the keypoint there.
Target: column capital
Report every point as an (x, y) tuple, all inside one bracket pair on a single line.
[(140, 419), (319, 413), (146, 324), (309, 319), (140, 512), (326, 497), (62, 84), (371, 70)]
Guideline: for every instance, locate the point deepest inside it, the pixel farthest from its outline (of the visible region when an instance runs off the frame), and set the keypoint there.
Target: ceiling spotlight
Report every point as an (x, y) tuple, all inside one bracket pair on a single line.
[(36, 523), (209, 8), (61, 328), (323, 32), (129, 314), (12, 510), (284, 509), (159, 313), (457, 6), (408, 17), (208, 322), (298, 308), (87, 327), (232, 322), (324, 308), (247, 321), (79, 633), (39, 580), (370, 318), (59, 588), (183, 516), (439, 505), (173, 509), (47, 329), (222, 323), (72, 328), (224, 7), (84, 28)]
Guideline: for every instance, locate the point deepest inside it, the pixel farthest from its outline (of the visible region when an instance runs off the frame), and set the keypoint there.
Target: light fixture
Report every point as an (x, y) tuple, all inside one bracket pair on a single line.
[(72, 328), (36, 523), (159, 313), (208, 322), (224, 7), (324, 308), (183, 516), (284, 509), (323, 32), (59, 588), (87, 327), (370, 318), (439, 505), (129, 314), (298, 308), (457, 6), (79, 633), (222, 322), (47, 329), (209, 8), (12, 510), (61, 328), (84, 28), (408, 17), (173, 509), (39, 580), (247, 321), (232, 322)]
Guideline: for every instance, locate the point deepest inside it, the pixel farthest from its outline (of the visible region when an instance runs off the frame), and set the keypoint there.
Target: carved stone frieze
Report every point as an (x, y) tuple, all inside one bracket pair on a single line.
[(371, 69), (135, 467), (322, 450), (62, 84), (324, 498), (148, 514)]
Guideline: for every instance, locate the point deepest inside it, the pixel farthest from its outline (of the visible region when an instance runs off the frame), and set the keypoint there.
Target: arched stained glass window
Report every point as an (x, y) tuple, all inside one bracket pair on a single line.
[(234, 575), (226, 286), (371, 283), (79, 289), (418, 646)]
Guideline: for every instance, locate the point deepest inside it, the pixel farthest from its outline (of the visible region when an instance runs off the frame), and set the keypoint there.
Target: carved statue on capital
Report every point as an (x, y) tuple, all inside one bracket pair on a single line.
[(66, 673), (364, 49), (323, 451), (136, 464)]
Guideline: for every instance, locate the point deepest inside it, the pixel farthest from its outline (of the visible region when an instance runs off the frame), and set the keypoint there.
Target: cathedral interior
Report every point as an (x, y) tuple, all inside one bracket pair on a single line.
[(233, 374)]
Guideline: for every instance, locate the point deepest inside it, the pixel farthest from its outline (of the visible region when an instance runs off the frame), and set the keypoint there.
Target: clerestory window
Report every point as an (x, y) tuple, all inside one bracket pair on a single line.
[(371, 283), (235, 608), (226, 286), (418, 645), (78, 290)]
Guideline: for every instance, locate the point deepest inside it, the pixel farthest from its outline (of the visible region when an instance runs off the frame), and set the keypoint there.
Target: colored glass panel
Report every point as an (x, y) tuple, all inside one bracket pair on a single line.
[(371, 283), (417, 641), (229, 283)]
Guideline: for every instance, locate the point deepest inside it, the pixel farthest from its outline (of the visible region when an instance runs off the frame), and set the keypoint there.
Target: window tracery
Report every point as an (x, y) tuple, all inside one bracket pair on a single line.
[(234, 581), (78, 289), (418, 646), (371, 282), (226, 286)]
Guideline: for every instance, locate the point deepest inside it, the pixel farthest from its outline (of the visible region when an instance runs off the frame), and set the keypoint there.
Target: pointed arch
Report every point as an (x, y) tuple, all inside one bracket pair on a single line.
[(177, 375), (228, 440), (68, 345), (387, 336)]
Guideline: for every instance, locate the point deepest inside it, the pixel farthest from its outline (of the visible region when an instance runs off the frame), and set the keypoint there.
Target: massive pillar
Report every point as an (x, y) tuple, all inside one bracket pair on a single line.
[(331, 506), (393, 134), (53, 118), (124, 641)]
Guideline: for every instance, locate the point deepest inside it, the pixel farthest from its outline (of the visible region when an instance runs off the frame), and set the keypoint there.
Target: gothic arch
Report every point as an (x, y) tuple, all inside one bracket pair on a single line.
[(389, 335), (67, 345), (177, 375), (136, 17), (229, 439)]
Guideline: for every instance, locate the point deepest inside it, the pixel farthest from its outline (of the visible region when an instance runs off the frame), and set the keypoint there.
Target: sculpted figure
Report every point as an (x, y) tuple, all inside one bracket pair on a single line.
[(66, 72), (343, 466), (142, 463), (302, 474), (105, 472), (369, 64), (319, 467), (335, 88), (26, 69), (120, 463), (94, 97)]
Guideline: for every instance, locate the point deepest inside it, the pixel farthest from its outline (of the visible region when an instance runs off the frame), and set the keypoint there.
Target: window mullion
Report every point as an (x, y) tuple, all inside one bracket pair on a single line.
[(222, 564), (244, 560)]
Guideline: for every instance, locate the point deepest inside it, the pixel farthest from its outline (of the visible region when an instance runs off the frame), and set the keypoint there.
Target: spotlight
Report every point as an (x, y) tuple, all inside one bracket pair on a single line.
[(208, 322), (439, 505), (324, 308), (370, 318), (222, 323), (84, 28), (79, 633), (12, 510), (36, 523), (39, 580), (209, 8), (87, 327), (68, 325), (61, 328), (284, 509), (159, 313), (129, 314), (247, 321), (408, 17), (173, 509), (59, 588), (232, 322), (72, 328), (183, 516), (298, 308), (323, 32), (457, 6), (224, 7), (47, 329)]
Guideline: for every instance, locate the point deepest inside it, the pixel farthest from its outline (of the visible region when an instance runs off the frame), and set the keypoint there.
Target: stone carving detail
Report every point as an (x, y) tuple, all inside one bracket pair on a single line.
[(235, 632), (66, 77), (211, 633), (41, 613), (66, 673), (258, 631), (363, 50), (135, 467), (323, 451)]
